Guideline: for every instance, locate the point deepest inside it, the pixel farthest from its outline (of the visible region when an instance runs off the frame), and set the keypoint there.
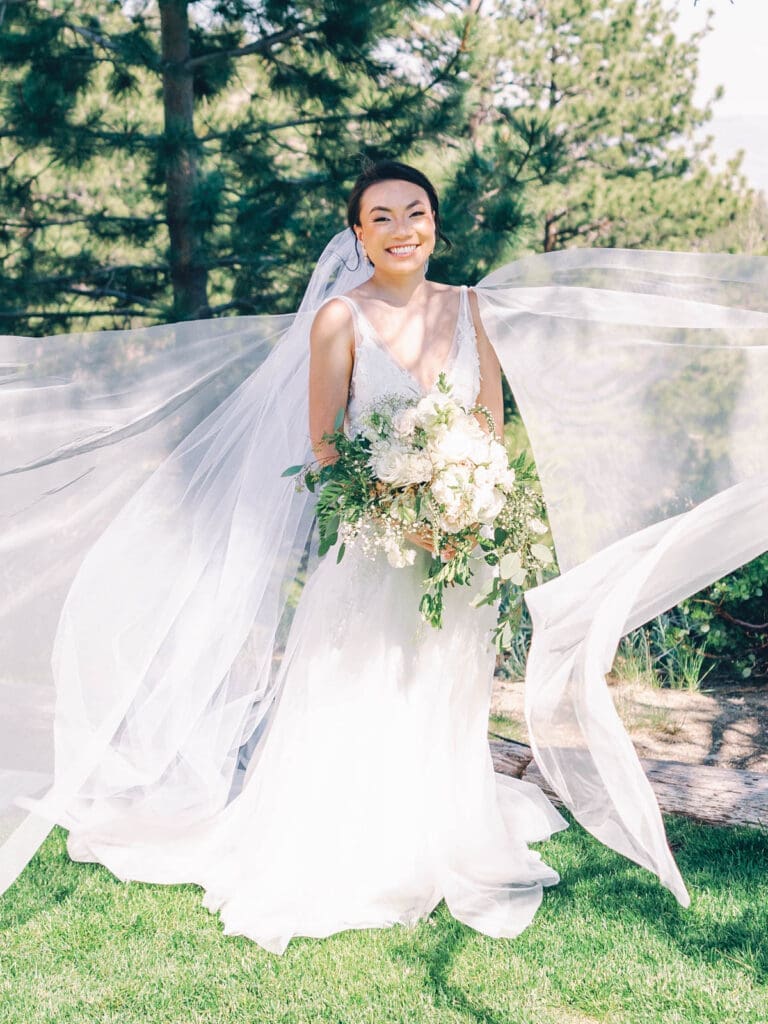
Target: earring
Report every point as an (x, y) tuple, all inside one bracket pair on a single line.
[(365, 252)]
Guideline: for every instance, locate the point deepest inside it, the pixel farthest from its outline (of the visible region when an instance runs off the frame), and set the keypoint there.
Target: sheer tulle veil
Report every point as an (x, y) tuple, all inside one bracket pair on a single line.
[(152, 554)]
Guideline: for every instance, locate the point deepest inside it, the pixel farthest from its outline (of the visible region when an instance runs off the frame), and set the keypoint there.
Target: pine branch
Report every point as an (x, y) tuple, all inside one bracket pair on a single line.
[(65, 281), (69, 314), (99, 40), (107, 293), (39, 223), (297, 122), (260, 46)]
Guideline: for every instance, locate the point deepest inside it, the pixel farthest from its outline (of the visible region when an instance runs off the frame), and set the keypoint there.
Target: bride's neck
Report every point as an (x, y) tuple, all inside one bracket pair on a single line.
[(397, 290)]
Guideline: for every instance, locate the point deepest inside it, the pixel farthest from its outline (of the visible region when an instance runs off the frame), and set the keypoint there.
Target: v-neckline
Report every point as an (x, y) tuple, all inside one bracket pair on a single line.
[(449, 359)]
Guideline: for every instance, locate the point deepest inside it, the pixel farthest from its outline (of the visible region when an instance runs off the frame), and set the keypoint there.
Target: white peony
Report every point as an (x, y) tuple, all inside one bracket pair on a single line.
[(506, 479), (452, 485), (458, 443), (497, 458), (484, 477)]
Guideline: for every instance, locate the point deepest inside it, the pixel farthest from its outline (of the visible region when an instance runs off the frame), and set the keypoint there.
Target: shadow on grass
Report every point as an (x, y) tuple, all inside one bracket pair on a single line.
[(725, 924), (436, 954), (49, 880), (720, 866)]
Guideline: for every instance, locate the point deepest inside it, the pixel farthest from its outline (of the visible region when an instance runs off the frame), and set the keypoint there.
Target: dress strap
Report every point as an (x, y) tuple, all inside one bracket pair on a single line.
[(357, 318), (465, 315)]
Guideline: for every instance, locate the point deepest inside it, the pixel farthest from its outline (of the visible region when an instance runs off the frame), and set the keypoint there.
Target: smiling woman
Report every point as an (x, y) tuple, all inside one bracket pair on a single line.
[(323, 764), (394, 212)]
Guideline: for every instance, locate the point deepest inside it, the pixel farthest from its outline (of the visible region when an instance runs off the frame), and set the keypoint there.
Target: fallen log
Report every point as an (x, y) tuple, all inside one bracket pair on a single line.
[(702, 792)]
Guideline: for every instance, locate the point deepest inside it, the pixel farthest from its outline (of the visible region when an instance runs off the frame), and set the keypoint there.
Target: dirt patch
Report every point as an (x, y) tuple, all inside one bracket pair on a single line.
[(725, 726)]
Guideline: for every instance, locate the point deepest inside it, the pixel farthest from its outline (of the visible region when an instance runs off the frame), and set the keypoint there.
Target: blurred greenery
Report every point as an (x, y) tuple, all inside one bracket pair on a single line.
[(175, 159)]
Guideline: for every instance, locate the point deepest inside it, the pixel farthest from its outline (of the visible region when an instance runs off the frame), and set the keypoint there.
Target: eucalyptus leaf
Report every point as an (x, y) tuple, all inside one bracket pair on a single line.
[(510, 565), (506, 635), (486, 595), (541, 553)]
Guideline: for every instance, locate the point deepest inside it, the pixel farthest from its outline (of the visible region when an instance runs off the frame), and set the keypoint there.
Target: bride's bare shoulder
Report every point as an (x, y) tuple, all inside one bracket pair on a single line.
[(444, 290), (446, 297), (332, 320)]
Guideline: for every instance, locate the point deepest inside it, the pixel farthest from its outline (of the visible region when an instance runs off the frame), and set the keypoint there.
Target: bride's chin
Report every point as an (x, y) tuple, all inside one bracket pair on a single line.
[(409, 265)]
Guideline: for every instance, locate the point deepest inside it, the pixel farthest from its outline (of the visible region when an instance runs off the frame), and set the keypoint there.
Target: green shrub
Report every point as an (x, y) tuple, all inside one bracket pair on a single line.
[(731, 619)]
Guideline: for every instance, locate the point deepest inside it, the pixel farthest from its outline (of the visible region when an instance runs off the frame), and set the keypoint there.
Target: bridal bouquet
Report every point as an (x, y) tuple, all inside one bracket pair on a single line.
[(425, 466)]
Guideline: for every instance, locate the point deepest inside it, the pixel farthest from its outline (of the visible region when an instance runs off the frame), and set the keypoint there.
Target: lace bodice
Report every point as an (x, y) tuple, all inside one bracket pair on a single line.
[(376, 372)]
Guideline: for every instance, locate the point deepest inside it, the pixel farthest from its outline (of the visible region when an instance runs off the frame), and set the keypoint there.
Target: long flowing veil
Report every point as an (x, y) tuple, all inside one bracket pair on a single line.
[(152, 554), (641, 378), (150, 557)]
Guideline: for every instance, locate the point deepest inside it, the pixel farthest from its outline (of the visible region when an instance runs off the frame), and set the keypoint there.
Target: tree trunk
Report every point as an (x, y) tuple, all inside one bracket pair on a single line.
[(550, 232), (702, 792), (189, 276)]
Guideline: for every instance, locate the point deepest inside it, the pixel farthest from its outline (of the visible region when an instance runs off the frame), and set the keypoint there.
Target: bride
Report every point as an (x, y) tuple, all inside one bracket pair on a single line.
[(315, 757)]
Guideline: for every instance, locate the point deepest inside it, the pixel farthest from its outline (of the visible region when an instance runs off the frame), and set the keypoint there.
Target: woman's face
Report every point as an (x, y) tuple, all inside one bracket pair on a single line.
[(397, 226)]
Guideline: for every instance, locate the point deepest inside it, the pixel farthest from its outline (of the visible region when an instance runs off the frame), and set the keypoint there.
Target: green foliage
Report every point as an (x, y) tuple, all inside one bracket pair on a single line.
[(729, 622), (721, 633), (234, 137), (608, 90), (545, 124)]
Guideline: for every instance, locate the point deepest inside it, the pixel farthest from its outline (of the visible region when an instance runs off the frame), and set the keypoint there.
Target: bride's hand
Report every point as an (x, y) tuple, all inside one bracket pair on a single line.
[(423, 539)]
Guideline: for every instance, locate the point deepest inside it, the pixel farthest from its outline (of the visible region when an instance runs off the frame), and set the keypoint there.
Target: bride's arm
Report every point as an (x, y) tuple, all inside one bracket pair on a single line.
[(331, 356), (490, 373)]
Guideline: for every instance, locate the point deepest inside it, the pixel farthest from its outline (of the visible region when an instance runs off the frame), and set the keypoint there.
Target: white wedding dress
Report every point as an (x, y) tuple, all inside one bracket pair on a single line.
[(332, 771), (373, 794)]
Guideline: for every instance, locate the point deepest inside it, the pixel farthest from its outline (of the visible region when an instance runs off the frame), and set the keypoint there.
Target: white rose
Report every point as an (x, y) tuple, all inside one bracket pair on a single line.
[(398, 467), (487, 502), (418, 468), (387, 462), (405, 421), (453, 523)]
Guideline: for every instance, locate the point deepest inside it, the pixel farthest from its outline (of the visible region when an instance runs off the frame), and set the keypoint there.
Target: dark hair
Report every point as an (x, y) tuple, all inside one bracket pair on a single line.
[(392, 170)]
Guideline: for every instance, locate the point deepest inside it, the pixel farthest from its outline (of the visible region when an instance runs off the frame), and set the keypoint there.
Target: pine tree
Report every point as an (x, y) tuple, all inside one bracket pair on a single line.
[(175, 159), (610, 87)]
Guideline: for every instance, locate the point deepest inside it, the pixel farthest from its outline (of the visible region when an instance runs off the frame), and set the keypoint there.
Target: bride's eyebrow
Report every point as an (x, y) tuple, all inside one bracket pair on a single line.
[(386, 209)]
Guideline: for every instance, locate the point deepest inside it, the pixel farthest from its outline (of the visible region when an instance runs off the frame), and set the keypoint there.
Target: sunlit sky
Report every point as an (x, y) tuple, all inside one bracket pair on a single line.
[(734, 55)]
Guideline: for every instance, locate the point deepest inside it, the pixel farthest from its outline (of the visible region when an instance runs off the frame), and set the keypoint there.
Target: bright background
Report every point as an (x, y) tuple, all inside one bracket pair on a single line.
[(734, 55)]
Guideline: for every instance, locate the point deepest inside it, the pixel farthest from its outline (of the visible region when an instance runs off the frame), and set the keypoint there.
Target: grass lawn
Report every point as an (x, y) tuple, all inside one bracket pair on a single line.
[(608, 944)]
